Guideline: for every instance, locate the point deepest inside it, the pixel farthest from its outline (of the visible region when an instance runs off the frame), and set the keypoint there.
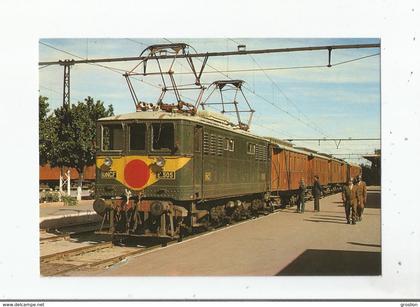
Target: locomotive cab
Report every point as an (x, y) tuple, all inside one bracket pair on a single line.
[(140, 165)]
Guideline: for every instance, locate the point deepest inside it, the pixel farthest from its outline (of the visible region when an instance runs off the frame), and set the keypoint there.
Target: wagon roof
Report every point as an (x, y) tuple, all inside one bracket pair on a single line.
[(306, 151), (208, 118)]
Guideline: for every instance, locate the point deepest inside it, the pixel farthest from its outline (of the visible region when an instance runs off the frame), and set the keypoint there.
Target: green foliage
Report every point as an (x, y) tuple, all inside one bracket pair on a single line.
[(47, 135), (49, 196), (43, 108), (70, 134), (69, 200)]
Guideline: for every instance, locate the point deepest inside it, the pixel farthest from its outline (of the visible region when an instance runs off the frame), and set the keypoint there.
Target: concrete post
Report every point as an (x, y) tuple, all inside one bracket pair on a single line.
[(60, 189), (68, 182), (79, 193)]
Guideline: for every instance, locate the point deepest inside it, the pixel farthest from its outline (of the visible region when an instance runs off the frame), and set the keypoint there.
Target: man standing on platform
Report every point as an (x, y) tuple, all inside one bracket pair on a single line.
[(301, 201), (361, 197), (316, 193), (349, 196)]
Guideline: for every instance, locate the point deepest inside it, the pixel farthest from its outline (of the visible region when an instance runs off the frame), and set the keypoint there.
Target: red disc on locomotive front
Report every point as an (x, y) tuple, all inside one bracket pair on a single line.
[(136, 173)]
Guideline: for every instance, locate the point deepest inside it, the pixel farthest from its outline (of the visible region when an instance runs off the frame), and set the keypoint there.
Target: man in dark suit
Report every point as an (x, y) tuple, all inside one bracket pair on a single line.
[(349, 196), (301, 200), (316, 193)]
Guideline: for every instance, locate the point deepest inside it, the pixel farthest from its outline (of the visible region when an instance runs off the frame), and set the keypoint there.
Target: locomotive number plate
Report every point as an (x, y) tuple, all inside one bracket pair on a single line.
[(108, 175), (166, 175)]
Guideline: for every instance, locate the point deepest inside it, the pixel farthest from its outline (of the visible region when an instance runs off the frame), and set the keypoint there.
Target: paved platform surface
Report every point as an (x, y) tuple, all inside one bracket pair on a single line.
[(58, 209), (284, 243), (56, 215)]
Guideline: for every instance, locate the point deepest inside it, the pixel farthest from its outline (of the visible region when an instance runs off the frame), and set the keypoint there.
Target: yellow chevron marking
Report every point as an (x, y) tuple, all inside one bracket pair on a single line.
[(118, 164)]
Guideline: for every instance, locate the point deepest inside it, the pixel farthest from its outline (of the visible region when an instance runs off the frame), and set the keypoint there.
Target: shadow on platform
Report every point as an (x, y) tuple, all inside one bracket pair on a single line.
[(373, 200), (334, 221), (314, 262)]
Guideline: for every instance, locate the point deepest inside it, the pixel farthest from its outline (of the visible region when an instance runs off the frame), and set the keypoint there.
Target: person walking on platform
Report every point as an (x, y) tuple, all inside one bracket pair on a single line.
[(349, 196), (361, 197), (316, 193), (301, 200)]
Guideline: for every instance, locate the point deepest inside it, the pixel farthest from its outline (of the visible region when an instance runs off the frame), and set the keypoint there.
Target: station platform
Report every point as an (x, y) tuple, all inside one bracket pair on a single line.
[(55, 215), (284, 243)]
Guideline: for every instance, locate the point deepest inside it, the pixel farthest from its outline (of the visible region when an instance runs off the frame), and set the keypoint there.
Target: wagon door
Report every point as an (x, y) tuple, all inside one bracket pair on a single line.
[(198, 162)]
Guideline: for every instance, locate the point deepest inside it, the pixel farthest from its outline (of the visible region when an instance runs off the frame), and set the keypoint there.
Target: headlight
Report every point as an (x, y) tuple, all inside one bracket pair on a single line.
[(108, 161), (160, 161)]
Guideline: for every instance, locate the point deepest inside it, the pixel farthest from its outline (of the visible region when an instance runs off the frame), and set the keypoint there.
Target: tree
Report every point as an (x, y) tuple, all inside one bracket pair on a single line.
[(47, 135), (75, 131)]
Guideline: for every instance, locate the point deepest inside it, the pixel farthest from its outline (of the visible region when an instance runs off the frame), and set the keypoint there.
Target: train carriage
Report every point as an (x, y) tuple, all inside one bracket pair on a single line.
[(353, 170), (318, 166), (337, 174), (288, 166)]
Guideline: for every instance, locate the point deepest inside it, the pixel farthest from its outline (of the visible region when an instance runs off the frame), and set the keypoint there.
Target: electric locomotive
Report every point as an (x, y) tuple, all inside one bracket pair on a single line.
[(162, 173)]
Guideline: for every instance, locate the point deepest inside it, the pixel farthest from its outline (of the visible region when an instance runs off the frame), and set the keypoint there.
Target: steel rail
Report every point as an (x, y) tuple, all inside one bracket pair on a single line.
[(55, 238), (210, 54), (76, 251), (107, 261)]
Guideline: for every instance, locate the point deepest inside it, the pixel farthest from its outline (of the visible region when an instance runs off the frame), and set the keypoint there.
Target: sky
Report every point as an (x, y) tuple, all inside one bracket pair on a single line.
[(295, 101)]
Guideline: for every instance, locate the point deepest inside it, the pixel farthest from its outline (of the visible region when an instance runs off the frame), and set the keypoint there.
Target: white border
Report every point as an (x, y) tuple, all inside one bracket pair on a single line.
[(24, 22)]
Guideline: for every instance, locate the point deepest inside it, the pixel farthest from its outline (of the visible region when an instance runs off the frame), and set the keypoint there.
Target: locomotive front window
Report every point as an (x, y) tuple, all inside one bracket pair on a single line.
[(163, 136), (112, 137), (138, 137)]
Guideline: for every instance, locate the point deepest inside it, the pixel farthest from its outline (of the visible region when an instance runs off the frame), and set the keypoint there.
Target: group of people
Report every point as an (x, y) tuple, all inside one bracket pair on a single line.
[(316, 193), (354, 197)]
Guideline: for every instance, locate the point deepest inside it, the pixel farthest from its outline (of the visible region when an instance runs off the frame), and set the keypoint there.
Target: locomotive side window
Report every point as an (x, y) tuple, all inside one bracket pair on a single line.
[(112, 137), (231, 145), (138, 137), (163, 136), (226, 145), (251, 149)]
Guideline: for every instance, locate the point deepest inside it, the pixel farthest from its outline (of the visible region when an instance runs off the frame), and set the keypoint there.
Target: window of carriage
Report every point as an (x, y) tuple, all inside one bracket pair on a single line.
[(112, 137), (162, 136), (138, 136), (250, 148)]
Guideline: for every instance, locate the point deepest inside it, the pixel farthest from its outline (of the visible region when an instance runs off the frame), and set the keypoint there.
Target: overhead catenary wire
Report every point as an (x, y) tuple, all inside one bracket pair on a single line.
[(316, 127), (119, 71), (258, 95)]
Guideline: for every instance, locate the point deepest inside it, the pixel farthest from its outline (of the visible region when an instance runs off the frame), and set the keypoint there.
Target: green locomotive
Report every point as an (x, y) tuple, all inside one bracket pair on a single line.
[(165, 174)]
